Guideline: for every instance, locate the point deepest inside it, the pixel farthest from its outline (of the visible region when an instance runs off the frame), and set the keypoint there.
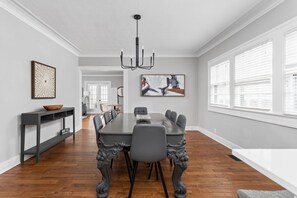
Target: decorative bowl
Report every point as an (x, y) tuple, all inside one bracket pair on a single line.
[(52, 107)]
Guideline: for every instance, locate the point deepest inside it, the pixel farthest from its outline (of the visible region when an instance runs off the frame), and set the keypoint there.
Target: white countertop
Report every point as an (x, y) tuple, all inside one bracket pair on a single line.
[(280, 165)]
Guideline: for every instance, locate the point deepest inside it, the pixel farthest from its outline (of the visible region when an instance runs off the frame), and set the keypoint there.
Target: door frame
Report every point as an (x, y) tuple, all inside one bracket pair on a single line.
[(109, 68)]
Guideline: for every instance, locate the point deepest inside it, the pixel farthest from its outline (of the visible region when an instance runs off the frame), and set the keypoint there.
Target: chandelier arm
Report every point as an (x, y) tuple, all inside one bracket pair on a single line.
[(126, 67), (146, 67)]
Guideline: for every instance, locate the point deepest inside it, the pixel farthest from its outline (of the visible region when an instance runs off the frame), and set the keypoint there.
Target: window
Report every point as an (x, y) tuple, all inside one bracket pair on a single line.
[(259, 79), (290, 72), (104, 93), (219, 84), (253, 73)]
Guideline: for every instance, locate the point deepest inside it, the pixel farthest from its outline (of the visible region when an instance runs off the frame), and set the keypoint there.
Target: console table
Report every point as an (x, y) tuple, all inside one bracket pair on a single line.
[(39, 117)]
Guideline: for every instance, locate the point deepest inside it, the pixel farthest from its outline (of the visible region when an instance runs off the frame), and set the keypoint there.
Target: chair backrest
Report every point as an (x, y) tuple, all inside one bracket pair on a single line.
[(173, 116), (98, 126), (181, 122), (149, 143), (107, 117), (167, 113), (113, 114), (140, 111)]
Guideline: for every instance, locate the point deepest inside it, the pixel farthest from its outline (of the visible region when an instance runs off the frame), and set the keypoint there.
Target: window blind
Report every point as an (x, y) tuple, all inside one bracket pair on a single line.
[(220, 84), (290, 103), (253, 73)]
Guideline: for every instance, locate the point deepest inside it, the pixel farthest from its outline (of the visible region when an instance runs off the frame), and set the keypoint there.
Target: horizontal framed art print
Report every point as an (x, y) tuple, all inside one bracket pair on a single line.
[(163, 85), (43, 81)]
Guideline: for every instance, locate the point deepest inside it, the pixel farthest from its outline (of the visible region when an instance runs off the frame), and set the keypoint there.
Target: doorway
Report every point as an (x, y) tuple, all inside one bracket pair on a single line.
[(96, 92), (101, 85)]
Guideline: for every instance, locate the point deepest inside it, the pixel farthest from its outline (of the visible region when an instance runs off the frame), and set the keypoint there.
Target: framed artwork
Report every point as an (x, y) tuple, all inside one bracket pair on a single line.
[(43, 81), (163, 85)]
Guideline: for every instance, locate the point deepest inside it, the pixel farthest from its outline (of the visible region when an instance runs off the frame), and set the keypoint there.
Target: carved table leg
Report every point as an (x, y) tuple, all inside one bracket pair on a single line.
[(179, 155), (104, 156)]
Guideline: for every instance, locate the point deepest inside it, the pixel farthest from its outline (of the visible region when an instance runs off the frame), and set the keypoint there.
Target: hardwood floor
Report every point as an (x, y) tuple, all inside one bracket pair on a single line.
[(69, 170)]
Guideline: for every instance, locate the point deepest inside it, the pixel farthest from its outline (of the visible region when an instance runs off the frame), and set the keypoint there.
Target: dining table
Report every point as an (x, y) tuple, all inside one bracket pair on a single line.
[(117, 134)]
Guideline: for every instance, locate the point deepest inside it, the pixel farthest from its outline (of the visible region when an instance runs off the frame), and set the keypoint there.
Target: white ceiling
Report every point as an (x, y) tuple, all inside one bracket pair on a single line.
[(170, 27)]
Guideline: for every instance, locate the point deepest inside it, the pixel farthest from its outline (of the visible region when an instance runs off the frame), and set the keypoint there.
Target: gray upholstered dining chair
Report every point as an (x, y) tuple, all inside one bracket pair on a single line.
[(167, 113), (107, 117), (140, 111), (181, 122), (149, 144), (113, 114), (264, 194), (172, 116), (98, 126)]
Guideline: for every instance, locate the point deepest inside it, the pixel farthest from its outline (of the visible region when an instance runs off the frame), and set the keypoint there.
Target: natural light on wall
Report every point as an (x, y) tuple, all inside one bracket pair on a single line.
[(291, 73)]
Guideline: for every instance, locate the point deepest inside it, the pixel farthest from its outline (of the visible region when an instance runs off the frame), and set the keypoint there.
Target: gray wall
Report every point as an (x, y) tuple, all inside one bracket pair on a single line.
[(243, 132), (20, 44), (182, 105)]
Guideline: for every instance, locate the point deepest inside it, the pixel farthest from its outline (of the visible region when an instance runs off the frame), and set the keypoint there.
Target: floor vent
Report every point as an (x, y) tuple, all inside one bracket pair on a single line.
[(234, 158)]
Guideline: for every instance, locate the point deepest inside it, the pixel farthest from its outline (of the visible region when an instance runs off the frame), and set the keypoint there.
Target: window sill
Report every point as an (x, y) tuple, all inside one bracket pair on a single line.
[(277, 119)]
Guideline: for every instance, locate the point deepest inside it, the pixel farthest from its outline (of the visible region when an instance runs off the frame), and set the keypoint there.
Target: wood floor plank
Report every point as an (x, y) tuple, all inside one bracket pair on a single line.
[(70, 170)]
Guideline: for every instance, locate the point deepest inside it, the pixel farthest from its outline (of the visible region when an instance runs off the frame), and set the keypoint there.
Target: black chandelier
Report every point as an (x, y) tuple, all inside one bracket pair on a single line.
[(137, 62)]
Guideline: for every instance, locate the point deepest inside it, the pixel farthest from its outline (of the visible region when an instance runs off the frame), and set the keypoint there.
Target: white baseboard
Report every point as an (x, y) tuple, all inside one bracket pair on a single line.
[(218, 138), (8, 164), (12, 162), (78, 127)]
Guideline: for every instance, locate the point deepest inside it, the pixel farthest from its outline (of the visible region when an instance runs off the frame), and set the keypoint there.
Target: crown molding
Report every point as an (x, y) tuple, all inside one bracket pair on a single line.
[(130, 55), (243, 21), (19, 11)]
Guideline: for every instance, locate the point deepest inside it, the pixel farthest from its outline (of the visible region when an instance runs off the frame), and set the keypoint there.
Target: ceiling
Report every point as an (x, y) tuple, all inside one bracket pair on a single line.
[(170, 27)]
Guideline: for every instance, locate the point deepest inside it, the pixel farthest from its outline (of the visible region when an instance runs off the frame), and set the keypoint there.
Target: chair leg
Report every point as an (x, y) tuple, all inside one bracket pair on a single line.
[(128, 164), (163, 180), (157, 175), (135, 164), (151, 168)]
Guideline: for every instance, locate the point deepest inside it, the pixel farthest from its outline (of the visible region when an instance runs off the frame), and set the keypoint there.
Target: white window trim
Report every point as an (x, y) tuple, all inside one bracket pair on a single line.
[(277, 115)]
